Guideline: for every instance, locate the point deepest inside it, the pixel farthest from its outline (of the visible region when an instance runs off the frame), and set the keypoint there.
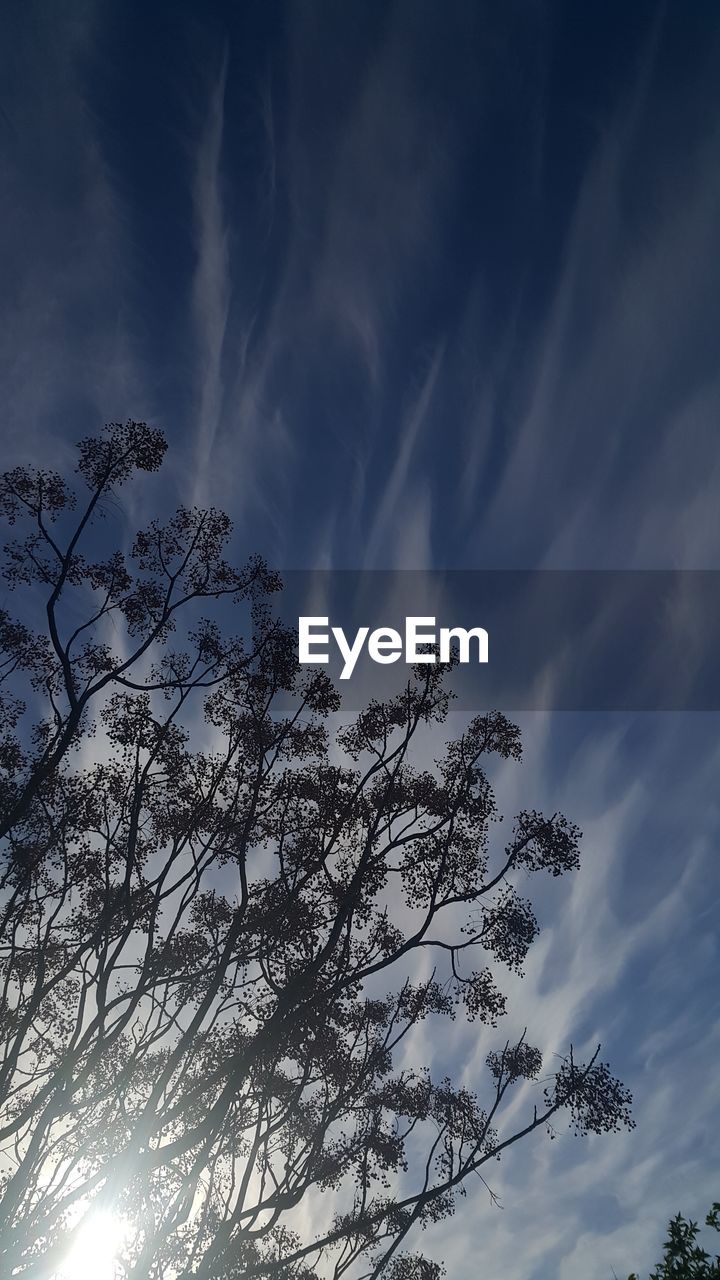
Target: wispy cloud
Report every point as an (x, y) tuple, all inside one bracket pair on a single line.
[(583, 1206), (609, 462), (399, 537), (211, 285)]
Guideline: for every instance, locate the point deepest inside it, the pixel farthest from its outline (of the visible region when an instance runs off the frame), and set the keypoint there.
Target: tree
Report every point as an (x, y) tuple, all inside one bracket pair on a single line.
[(685, 1259), (204, 901)]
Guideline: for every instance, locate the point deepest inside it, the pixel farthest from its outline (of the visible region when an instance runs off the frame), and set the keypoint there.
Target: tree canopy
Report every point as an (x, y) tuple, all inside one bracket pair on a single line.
[(222, 921)]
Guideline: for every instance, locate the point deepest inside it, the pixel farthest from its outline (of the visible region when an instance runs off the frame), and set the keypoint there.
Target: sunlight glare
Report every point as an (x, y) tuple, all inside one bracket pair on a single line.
[(95, 1250)]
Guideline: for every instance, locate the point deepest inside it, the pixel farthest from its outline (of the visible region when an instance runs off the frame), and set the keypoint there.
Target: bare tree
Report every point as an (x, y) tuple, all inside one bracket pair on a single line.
[(204, 901)]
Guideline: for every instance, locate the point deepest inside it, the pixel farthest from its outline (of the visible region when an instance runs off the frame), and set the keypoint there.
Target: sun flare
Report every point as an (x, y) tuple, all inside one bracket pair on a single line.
[(95, 1251)]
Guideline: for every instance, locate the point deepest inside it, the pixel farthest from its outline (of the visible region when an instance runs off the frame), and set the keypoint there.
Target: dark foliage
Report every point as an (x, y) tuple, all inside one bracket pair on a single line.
[(214, 917), (684, 1258)]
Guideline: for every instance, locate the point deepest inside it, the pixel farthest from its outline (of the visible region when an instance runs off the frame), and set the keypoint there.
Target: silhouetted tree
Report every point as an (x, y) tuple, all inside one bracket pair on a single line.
[(684, 1258), (204, 903)]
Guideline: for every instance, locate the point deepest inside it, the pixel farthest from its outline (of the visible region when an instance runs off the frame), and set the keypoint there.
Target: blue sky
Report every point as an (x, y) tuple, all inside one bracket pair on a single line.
[(413, 285)]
